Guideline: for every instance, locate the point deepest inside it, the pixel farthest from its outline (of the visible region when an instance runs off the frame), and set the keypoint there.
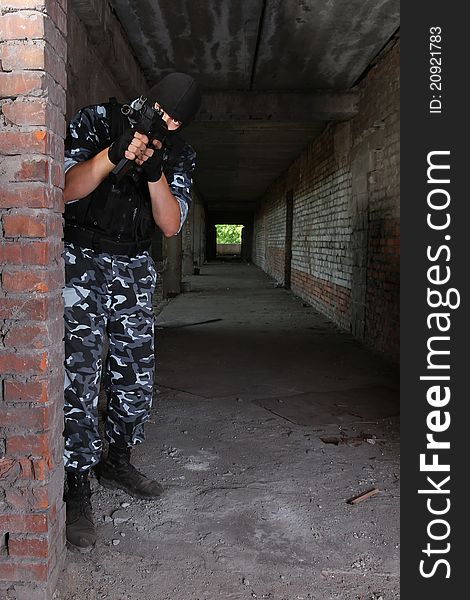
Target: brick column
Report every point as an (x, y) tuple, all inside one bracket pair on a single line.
[(32, 128)]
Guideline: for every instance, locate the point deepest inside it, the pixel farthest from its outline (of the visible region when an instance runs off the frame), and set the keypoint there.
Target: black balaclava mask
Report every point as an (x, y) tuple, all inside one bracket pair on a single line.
[(179, 96)]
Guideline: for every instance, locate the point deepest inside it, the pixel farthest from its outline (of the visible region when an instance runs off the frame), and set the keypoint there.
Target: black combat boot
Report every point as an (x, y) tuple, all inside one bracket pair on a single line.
[(80, 528), (116, 472)]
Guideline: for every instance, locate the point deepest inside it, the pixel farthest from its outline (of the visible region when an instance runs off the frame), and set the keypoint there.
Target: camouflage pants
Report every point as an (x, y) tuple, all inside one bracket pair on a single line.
[(106, 296)]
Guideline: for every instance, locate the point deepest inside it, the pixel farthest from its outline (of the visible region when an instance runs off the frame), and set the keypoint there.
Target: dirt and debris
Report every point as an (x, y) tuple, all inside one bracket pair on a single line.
[(255, 502), (352, 440)]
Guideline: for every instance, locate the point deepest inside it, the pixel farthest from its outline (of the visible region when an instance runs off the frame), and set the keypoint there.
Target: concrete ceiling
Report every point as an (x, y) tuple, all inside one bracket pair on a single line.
[(273, 73)]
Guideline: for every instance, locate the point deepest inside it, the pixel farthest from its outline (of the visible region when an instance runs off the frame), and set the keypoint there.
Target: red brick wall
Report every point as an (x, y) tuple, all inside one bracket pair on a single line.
[(345, 248), (275, 258), (381, 93), (32, 125)]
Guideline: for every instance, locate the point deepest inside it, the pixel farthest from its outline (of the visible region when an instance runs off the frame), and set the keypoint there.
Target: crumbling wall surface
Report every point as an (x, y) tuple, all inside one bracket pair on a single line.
[(345, 246), (32, 127), (100, 63)]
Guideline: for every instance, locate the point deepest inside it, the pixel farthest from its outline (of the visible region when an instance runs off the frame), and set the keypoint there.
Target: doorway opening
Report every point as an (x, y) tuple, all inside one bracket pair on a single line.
[(288, 252)]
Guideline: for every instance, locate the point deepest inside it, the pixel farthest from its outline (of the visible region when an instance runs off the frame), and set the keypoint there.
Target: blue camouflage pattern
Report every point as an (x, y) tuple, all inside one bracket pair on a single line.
[(106, 296)]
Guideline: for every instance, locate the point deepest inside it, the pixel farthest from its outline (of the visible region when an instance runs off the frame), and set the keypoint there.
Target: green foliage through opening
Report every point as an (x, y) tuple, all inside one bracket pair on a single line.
[(229, 234)]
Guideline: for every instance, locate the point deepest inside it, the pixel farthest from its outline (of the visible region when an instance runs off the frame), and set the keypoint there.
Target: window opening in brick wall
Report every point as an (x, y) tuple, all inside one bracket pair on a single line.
[(229, 239)]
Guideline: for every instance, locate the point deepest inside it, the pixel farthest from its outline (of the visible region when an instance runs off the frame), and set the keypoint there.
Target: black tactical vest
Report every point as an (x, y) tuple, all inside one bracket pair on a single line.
[(113, 218)]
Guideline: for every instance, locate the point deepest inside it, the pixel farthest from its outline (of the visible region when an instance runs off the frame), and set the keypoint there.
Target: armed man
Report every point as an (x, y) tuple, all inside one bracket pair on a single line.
[(122, 180)]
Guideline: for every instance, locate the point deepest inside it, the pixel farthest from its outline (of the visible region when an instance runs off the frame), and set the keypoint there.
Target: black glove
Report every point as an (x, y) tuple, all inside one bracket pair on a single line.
[(119, 146), (152, 167)]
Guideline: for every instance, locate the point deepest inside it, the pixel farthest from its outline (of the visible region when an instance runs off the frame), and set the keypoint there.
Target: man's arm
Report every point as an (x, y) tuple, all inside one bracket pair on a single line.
[(84, 177), (171, 194), (165, 208), (170, 188)]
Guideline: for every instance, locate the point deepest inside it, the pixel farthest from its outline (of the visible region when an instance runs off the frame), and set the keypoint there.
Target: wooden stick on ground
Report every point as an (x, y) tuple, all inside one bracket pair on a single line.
[(363, 496)]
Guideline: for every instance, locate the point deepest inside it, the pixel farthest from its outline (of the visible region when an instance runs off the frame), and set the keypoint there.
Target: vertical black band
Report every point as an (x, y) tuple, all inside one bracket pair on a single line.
[(434, 323)]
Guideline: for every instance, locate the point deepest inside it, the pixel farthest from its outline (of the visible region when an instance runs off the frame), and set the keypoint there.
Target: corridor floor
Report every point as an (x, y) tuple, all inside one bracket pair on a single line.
[(267, 419)]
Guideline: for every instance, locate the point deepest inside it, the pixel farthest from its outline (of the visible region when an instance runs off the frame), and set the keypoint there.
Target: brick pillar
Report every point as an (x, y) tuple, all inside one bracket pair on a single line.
[(32, 128)]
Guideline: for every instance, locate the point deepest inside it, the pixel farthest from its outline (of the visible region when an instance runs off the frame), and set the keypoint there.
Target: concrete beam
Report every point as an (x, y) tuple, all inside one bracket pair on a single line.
[(278, 106), (111, 44), (232, 214), (242, 209)]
